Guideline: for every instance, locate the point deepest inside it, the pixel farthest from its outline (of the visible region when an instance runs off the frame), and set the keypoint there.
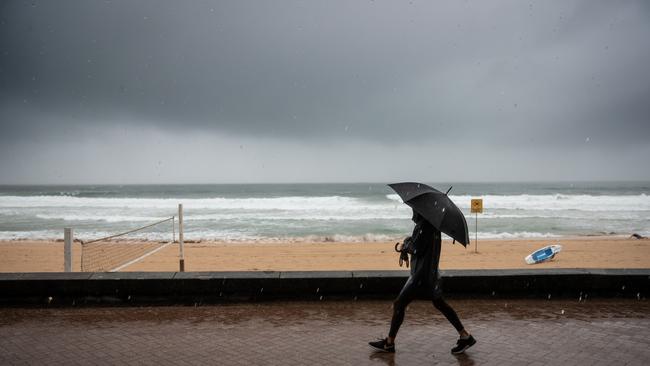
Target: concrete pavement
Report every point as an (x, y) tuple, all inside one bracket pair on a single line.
[(509, 332)]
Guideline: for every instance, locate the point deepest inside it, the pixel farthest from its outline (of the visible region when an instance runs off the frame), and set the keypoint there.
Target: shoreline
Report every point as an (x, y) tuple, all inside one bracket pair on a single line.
[(578, 252), (288, 241)]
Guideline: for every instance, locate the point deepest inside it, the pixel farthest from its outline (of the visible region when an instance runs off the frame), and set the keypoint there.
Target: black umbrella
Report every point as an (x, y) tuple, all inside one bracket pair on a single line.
[(436, 207)]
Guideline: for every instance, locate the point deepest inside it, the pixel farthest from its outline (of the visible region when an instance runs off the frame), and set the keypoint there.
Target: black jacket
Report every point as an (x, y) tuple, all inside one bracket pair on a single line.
[(426, 242)]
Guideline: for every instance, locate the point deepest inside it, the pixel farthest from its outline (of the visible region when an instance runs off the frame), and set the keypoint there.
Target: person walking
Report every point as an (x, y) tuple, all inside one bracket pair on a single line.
[(424, 246)]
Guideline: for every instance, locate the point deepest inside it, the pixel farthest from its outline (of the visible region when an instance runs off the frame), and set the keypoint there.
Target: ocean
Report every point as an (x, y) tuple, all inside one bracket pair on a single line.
[(318, 212)]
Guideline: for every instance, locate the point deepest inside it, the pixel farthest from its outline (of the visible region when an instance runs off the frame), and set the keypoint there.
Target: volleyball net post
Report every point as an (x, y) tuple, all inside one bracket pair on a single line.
[(67, 249), (181, 260)]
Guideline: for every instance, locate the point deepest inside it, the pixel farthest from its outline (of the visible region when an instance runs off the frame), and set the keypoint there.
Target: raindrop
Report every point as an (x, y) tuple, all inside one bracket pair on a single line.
[(321, 297), (355, 298), (128, 297), (262, 290), (505, 305), (435, 203), (49, 299), (549, 297), (443, 209), (493, 293), (562, 312), (318, 290), (580, 298), (220, 294), (638, 296), (623, 288), (587, 139), (361, 285)]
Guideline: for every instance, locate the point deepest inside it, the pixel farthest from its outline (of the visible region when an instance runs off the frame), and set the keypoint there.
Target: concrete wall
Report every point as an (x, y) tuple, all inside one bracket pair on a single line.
[(209, 287)]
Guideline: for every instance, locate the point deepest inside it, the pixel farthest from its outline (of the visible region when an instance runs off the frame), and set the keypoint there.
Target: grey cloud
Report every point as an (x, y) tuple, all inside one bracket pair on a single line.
[(491, 74)]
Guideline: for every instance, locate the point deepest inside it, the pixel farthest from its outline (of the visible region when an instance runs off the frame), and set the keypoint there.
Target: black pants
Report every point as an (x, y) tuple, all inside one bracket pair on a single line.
[(407, 295)]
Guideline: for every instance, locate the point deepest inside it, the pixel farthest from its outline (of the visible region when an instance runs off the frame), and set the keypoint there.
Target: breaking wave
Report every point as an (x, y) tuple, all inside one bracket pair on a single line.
[(360, 217)]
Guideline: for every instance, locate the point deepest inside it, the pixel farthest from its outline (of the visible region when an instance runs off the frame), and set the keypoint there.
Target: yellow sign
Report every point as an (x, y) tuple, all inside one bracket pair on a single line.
[(477, 205)]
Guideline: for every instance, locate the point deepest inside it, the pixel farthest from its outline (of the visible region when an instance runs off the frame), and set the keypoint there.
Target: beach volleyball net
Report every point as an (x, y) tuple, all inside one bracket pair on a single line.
[(118, 251)]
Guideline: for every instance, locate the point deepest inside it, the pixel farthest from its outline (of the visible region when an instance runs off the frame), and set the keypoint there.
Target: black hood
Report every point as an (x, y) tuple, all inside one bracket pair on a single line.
[(416, 217)]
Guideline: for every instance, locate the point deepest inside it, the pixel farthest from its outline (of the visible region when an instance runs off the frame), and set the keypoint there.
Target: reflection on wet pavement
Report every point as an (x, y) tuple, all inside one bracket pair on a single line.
[(509, 331)]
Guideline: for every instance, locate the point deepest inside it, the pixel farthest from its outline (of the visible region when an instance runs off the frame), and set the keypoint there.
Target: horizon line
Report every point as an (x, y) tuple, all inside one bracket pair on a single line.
[(329, 182)]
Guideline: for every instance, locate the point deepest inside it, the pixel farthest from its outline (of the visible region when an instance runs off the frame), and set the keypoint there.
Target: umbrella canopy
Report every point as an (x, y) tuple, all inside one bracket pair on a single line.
[(436, 207)]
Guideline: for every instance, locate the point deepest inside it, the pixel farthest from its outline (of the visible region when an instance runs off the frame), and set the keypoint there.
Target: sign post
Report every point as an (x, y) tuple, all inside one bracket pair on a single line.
[(476, 208)]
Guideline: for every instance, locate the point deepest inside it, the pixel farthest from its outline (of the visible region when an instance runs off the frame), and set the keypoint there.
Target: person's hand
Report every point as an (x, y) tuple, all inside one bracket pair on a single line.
[(404, 258)]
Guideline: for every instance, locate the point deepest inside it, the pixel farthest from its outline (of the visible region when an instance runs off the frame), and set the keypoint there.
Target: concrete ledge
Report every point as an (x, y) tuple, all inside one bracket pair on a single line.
[(208, 287)]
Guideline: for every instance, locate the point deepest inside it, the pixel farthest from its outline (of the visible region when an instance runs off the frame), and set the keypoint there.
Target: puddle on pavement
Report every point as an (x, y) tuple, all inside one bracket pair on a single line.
[(329, 312)]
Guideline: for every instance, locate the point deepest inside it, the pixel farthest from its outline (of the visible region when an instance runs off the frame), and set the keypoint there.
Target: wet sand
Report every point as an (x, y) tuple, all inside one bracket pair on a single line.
[(580, 252)]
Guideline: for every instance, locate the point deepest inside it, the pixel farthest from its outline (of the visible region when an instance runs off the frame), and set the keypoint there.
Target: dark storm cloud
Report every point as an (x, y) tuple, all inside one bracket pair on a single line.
[(358, 69), (490, 78)]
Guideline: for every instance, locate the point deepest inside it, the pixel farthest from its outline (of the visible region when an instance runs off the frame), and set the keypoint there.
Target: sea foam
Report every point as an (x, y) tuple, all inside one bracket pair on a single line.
[(554, 202), (344, 217)]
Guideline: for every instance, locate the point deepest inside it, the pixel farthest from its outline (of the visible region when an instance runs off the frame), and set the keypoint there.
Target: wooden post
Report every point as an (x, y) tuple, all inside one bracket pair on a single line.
[(180, 237), (67, 249), (173, 229)]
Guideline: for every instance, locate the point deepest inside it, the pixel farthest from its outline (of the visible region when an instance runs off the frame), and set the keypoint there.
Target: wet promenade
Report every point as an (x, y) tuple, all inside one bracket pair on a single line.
[(509, 332)]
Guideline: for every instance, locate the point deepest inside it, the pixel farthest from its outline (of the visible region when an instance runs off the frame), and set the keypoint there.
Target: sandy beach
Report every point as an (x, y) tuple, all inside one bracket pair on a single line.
[(578, 252)]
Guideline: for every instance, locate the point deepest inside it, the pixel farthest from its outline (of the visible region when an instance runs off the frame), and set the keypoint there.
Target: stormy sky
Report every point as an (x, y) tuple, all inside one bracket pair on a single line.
[(323, 91)]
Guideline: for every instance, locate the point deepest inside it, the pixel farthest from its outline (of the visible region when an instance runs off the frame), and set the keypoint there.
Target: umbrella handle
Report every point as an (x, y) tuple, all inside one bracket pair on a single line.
[(397, 250)]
